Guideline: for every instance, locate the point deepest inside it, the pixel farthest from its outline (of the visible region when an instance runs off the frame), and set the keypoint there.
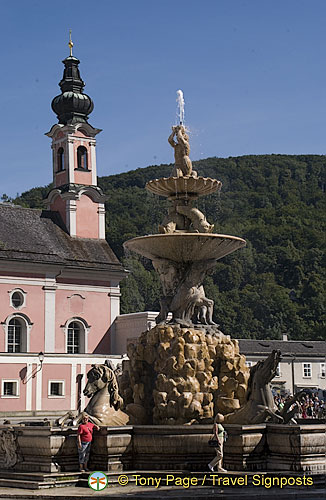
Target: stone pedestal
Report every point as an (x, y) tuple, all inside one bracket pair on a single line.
[(299, 448), (245, 447), (183, 375), (52, 449), (276, 448), (40, 449), (178, 447), (112, 449)]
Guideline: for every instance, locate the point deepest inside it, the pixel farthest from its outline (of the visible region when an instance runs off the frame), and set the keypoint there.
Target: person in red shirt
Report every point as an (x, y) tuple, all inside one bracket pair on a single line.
[(84, 440)]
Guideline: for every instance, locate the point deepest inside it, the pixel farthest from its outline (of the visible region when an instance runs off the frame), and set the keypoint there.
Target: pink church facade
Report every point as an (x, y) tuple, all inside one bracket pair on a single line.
[(59, 279)]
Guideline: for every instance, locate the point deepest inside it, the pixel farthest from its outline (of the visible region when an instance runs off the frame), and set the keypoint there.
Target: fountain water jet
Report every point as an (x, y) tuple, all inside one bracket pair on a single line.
[(181, 107)]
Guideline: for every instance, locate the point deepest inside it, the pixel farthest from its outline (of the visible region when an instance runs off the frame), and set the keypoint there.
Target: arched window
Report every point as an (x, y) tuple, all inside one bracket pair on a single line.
[(76, 330), (82, 158), (17, 329), (73, 338), (60, 159), (14, 339)]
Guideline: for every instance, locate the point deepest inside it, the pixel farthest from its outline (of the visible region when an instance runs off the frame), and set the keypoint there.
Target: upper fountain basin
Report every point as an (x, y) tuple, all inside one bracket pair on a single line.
[(185, 247), (192, 187)]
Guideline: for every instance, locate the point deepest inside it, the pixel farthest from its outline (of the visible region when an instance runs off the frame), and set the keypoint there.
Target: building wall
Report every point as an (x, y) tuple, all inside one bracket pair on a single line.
[(33, 309), (291, 377), (59, 205), (129, 326), (87, 217), (62, 177), (315, 380), (83, 302), (49, 305), (13, 372), (34, 380)]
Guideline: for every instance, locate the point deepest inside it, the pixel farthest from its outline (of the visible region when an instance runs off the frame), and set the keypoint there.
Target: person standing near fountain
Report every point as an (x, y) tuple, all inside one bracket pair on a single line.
[(84, 440), (218, 434)]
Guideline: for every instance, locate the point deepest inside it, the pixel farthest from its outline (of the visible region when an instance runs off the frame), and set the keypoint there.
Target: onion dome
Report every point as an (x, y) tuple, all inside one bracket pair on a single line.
[(72, 106)]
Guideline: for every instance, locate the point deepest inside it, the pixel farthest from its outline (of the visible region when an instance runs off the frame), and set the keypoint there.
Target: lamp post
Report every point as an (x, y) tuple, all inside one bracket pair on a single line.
[(41, 359), (37, 369)]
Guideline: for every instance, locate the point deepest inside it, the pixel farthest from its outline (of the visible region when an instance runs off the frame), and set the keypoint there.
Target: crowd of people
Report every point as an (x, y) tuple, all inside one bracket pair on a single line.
[(309, 405)]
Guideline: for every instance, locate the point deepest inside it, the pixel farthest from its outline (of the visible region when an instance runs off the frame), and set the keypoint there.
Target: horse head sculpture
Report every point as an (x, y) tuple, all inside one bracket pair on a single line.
[(262, 373), (104, 407), (101, 377), (105, 401), (259, 406)]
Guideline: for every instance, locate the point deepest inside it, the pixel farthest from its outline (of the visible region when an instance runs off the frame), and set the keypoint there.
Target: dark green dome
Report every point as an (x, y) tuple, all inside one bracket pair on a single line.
[(72, 106)]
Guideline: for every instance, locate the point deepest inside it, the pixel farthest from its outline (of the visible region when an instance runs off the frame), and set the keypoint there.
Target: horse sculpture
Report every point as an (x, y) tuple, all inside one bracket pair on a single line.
[(105, 403), (259, 406)]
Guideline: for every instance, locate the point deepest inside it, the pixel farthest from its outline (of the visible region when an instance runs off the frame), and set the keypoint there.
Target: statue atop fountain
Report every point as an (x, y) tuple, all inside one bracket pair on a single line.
[(185, 369), (183, 165)]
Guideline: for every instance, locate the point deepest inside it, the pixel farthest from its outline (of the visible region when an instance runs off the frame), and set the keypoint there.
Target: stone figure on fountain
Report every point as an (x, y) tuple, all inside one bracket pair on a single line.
[(184, 293), (183, 165), (182, 217)]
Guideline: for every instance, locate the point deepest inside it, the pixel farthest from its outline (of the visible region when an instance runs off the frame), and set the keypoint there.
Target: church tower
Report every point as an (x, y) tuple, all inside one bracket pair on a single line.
[(75, 194)]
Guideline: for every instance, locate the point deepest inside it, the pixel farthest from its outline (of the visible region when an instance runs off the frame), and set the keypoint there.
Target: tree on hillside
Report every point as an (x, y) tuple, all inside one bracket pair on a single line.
[(277, 203)]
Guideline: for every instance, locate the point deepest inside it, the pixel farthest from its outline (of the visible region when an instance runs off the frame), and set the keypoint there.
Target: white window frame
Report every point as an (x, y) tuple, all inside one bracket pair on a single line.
[(307, 366), (26, 331), (54, 396), (22, 293), (8, 396), (322, 369), (84, 330)]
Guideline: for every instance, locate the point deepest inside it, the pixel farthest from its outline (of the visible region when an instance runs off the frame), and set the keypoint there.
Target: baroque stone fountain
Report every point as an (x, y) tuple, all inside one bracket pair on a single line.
[(184, 370)]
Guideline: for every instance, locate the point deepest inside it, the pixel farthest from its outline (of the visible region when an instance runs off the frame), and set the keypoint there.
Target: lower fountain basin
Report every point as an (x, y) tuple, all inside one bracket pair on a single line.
[(185, 247)]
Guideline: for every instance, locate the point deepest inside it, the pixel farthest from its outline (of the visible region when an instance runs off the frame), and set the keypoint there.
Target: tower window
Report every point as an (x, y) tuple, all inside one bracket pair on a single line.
[(61, 159), (14, 335), (82, 158), (73, 338)]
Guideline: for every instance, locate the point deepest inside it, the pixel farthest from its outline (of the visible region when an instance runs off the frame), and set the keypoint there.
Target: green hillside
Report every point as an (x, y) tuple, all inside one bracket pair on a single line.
[(277, 283)]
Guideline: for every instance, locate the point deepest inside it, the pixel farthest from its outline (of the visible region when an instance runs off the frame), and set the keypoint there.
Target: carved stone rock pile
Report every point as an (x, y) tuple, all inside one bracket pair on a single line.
[(183, 375)]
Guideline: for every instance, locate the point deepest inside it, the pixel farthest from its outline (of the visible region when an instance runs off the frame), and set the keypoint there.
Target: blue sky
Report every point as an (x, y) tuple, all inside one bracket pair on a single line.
[(253, 75)]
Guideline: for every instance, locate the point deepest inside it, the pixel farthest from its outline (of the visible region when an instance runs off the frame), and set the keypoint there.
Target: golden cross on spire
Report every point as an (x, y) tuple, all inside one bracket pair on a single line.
[(70, 43)]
